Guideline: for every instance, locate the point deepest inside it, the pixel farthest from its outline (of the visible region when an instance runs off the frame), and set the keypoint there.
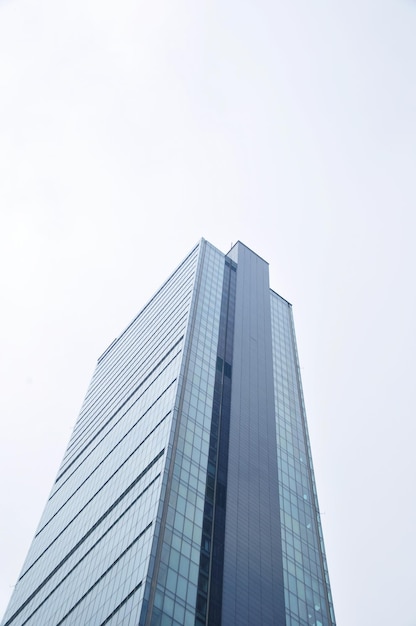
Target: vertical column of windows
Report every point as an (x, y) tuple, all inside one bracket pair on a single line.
[(176, 569), (210, 579), (307, 594)]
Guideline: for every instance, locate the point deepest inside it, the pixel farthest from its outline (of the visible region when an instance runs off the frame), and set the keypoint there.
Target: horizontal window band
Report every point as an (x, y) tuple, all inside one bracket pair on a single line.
[(106, 457), (84, 556), (188, 262), (91, 530), (122, 389), (108, 432), (122, 603), (89, 501), (138, 359), (141, 341), (104, 574), (122, 405)]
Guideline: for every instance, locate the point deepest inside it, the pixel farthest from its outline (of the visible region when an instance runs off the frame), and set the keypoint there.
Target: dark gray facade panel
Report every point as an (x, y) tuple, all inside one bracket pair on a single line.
[(253, 576)]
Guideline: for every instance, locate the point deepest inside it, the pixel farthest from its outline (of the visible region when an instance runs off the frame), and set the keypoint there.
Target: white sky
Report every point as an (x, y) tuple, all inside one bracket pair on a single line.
[(129, 130)]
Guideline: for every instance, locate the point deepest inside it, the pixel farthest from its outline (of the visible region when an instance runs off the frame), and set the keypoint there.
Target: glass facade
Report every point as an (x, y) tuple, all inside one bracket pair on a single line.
[(186, 494), (307, 592)]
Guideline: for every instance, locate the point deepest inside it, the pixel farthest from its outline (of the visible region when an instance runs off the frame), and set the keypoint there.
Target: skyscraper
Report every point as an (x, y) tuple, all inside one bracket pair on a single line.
[(186, 495)]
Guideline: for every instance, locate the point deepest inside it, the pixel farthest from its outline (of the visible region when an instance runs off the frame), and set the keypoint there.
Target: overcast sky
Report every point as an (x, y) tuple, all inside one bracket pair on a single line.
[(129, 130)]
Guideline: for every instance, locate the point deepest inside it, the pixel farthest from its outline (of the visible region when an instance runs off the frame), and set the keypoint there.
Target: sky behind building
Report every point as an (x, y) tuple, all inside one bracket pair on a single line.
[(129, 132)]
